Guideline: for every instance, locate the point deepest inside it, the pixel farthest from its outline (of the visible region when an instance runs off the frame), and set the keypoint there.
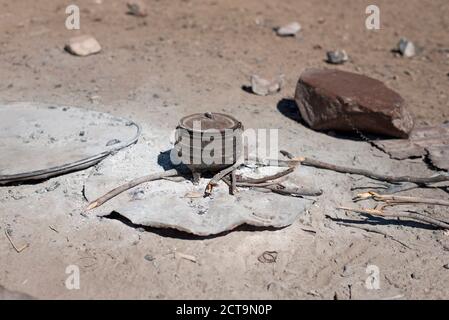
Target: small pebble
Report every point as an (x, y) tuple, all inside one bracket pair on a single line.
[(83, 46), (288, 30), (149, 257), (337, 57), (446, 266), (406, 48), (263, 87), (137, 8)]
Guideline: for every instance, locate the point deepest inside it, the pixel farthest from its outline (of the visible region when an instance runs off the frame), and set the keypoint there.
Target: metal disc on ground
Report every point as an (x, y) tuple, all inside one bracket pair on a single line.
[(38, 141)]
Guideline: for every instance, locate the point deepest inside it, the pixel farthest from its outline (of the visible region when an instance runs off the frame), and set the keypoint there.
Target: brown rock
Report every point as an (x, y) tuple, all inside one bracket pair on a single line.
[(345, 101)]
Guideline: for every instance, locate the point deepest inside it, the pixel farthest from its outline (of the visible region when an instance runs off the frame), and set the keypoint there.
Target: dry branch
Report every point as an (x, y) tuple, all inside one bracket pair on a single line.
[(373, 230), (131, 184), (409, 215), (392, 199), (364, 172), (233, 182), (220, 175), (18, 250), (268, 178)]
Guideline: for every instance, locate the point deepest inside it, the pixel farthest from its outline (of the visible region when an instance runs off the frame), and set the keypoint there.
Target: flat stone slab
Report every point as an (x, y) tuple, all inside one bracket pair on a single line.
[(180, 205), (340, 100), (431, 140)]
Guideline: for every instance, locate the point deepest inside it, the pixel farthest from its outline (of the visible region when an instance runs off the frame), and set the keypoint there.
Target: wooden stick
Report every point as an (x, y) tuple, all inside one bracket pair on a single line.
[(392, 199), (214, 181), (18, 250), (233, 183), (131, 184), (261, 184), (373, 230), (363, 172), (409, 215), (268, 178), (274, 162), (295, 191)]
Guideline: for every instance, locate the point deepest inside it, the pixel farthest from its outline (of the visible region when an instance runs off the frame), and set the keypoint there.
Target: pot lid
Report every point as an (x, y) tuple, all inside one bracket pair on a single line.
[(39, 141), (209, 120)]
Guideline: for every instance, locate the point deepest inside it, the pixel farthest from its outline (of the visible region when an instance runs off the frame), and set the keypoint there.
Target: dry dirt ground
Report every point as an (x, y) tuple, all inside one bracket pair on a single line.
[(195, 56)]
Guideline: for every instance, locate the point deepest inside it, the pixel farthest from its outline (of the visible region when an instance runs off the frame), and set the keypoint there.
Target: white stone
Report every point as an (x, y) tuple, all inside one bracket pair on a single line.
[(264, 87), (406, 48), (288, 30), (83, 45)]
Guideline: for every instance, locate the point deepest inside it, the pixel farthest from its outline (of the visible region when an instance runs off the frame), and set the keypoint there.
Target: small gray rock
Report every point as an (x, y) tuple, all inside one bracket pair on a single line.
[(149, 257), (137, 8), (337, 57), (406, 48)]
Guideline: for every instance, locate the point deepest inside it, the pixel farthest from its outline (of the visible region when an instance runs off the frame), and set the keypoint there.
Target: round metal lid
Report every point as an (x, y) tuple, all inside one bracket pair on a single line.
[(209, 120), (39, 141)]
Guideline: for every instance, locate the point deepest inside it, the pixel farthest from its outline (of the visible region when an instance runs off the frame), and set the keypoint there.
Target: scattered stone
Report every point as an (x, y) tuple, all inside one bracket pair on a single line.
[(94, 98), (289, 30), (406, 48), (346, 101), (446, 266), (138, 194), (137, 8), (83, 46), (263, 87), (337, 57), (149, 257)]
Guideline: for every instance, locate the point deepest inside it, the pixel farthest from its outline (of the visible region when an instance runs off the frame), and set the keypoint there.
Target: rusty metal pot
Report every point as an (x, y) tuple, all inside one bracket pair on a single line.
[(208, 141)]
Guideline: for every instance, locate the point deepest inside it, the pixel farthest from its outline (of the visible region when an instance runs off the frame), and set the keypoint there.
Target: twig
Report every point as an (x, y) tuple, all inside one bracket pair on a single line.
[(268, 178), (233, 183), (392, 199), (261, 184), (18, 250), (295, 191), (214, 181), (185, 256), (373, 230), (409, 215), (399, 188), (274, 162), (363, 172), (131, 184), (276, 187)]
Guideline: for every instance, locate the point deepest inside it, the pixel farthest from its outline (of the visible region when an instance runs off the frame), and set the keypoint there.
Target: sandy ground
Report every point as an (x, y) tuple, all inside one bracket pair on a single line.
[(195, 56)]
